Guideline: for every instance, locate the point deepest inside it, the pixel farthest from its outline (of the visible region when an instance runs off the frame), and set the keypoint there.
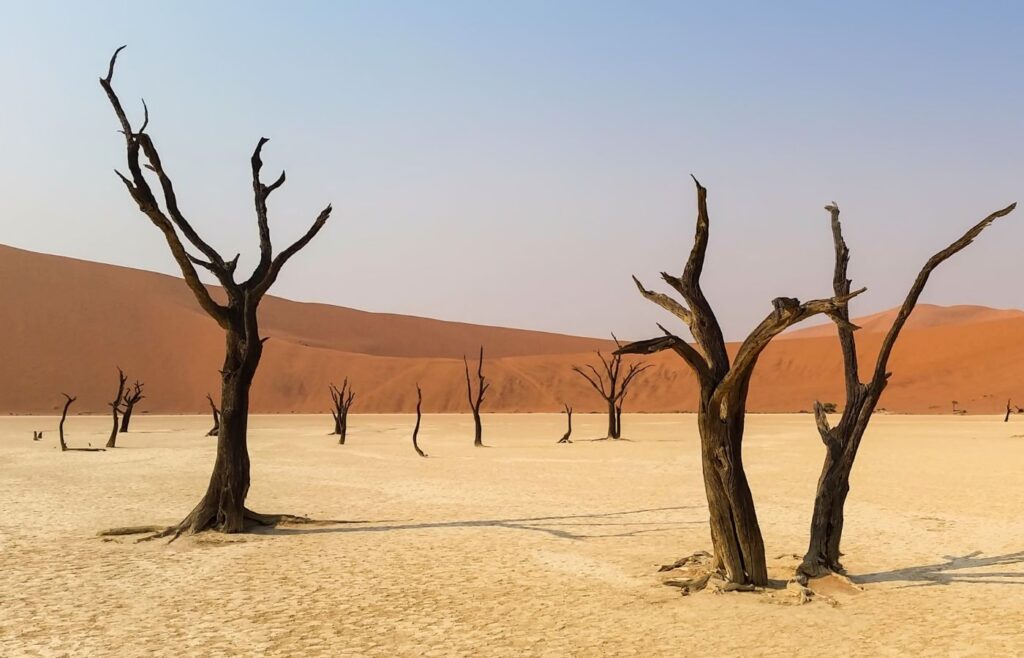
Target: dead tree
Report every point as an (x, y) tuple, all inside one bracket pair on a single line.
[(612, 386), (128, 402), (735, 534), (222, 507), (1009, 410), (568, 433), (416, 429), (215, 430), (843, 440), (63, 416), (341, 400), (60, 429), (476, 400), (115, 406)]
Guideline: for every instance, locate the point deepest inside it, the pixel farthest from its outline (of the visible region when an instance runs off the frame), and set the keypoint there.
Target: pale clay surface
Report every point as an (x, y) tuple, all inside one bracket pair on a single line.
[(524, 548)]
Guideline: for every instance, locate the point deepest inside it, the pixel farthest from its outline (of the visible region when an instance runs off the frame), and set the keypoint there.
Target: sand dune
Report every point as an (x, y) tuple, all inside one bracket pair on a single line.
[(73, 321)]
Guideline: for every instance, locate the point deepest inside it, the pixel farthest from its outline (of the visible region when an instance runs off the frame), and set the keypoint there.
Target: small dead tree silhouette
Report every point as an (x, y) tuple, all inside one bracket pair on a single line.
[(68, 400), (1009, 410), (115, 406), (215, 430), (612, 385), (341, 399), (568, 433), (128, 402), (222, 506), (477, 399), (416, 429), (724, 383), (843, 440)]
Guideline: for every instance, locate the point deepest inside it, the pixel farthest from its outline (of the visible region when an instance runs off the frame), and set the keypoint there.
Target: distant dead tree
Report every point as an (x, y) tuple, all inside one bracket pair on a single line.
[(419, 415), (843, 440), (222, 507), (63, 416), (477, 399), (115, 406), (735, 534), (1009, 410), (568, 433), (215, 430), (611, 385), (60, 428), (128, 402), (37, 436), (341, 399)]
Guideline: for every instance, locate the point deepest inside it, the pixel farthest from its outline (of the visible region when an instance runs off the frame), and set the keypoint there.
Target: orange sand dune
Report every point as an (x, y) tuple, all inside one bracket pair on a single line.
[(68, 323)]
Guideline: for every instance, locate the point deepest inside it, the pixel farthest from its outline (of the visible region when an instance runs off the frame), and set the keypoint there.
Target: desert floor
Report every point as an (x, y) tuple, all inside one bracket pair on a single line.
[(522, 548)]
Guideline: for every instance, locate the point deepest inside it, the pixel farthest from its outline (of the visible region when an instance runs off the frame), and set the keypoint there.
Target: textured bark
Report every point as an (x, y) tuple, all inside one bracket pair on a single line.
[(222, 507), (735, 533), (115, 407), (568, 432), (419, 416), (128, 402), (612, 385), (477, 399), (843, 441)]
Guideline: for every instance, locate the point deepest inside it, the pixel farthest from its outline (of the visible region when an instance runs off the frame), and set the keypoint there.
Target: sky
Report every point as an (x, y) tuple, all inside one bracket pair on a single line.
[(514, 163)]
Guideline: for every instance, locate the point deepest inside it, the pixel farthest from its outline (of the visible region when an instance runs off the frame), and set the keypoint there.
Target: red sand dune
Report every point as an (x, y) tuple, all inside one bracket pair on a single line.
[(68, 323)]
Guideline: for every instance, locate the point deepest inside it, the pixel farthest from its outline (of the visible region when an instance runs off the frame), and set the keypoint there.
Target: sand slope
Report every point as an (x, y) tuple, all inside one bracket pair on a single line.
[(68, 323)]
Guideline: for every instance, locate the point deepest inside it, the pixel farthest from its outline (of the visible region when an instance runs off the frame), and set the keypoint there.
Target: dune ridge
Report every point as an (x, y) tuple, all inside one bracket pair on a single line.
[(68, 323)]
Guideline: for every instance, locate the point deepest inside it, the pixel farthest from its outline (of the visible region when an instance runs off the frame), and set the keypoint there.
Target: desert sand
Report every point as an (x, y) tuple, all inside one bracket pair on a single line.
[(521, 548), (157, 333)]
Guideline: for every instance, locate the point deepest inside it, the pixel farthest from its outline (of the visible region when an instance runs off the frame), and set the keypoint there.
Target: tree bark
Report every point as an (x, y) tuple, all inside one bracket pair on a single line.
[(222, 507), (131, 398), (568, 432), (63, 416), (842, 442), (735, 533), (215, 430), (114, 406)]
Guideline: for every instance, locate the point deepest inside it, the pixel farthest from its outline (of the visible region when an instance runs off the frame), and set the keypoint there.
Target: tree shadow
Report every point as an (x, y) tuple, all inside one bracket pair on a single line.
[(956, 569), (555, 526)]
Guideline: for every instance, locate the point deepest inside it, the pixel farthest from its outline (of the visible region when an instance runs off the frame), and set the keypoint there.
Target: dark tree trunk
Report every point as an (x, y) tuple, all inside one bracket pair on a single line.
[(126, 417), (419, 416), (1006, 418), (568, 432), (114, 406), (63, 416), (613, 424), (842, 442), (476, 400), (618, 421), (735, 533), (222, 508), (130, 399), (223, 505)]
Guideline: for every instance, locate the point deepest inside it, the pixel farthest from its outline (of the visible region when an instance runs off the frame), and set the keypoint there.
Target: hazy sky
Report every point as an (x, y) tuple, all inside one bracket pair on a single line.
[(513, 163)]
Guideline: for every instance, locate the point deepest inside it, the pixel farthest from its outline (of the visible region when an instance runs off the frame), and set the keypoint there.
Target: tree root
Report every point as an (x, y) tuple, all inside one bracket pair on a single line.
[(201, 520)]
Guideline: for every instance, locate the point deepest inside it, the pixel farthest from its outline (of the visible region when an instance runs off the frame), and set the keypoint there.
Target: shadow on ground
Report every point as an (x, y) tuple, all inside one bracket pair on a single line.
[(970, 568), (557, 526)]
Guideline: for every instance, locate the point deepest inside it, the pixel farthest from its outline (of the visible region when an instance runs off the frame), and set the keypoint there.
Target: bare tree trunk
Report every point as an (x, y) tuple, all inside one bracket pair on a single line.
[(215, 430), (842, 442), (477, 399), (419, 415), (131, 398), (735, 533), (1006, 418), (63, 417), (114, 406), (618, 420), (613, 425), (222, 507), (568, 433)]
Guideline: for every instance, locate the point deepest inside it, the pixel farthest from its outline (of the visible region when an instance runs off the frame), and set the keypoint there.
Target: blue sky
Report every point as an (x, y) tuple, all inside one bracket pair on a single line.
[(513, 163)]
